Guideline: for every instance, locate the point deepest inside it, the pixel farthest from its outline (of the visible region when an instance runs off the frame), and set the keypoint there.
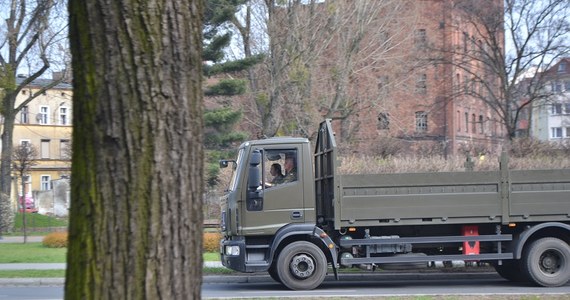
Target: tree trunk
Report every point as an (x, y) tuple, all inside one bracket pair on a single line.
[(136, 211), (7, 144)]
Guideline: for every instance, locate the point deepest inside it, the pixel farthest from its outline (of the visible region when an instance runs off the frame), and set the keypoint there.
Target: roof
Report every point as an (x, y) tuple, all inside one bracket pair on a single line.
[(42, 82), (277, 141), (561, 68)]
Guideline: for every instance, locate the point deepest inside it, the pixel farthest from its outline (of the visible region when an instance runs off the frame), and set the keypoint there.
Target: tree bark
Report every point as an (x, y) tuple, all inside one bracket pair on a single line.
[(136, 211)]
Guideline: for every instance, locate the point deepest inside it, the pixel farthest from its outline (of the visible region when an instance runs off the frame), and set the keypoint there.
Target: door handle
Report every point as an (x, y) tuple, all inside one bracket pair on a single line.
[(296, 215)]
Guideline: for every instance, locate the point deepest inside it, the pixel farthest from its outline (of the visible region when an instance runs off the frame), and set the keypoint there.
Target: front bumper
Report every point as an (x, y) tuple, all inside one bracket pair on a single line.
[(238, 262)]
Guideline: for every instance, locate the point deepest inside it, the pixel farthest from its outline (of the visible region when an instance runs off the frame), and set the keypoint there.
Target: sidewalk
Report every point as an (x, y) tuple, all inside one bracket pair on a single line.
[(20, 239), (56, 266)]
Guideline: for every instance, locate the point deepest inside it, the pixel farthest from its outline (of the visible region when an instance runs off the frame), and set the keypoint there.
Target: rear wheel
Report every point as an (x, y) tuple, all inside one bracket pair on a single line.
[(546, 262), (510, 270), (301, 266), (273, 273)]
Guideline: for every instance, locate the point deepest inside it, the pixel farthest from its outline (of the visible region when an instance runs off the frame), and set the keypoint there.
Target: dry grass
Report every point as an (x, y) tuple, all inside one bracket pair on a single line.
[(412, 164)]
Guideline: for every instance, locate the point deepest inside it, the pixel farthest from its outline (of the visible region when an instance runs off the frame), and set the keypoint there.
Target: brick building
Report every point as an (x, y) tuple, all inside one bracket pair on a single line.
[(419, 102)]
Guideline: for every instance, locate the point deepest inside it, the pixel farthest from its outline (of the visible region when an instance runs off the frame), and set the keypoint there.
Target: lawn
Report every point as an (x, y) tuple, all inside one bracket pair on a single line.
[(37, 220), (36, 253), (30, 253)]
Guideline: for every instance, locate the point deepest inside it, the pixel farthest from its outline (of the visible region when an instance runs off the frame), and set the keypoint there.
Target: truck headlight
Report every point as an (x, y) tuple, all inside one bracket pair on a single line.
[(232, 250)]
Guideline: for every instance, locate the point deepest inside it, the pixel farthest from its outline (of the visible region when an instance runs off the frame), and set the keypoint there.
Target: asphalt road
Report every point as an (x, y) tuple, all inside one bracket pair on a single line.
[(358, 286)]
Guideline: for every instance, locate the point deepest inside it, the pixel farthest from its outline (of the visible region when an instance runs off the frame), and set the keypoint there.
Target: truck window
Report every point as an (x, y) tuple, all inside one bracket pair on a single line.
[(280, 166)]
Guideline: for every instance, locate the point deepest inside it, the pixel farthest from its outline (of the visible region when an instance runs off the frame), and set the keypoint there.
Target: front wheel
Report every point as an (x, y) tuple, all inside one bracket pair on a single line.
[(301, 266), (546, 262)]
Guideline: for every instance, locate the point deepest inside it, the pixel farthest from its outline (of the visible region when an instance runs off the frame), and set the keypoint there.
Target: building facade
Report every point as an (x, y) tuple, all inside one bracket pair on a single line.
[(551, 117), (46, 124), (432, 100)]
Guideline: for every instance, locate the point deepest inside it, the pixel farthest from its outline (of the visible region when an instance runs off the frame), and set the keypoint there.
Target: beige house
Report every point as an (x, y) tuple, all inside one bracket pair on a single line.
[(45, 123)]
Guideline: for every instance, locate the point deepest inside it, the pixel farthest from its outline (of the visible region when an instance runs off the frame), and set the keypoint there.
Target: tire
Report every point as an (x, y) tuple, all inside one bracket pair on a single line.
[(301, 266), (273, 273), (546, 262), (511, 270)]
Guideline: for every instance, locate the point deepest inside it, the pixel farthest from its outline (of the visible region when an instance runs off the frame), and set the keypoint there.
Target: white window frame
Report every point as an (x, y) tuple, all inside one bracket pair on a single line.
[(63, 115), (556, 109), (45, 182), (64, 145), (43, 115), (556, 132), (45, 145), (25, 115), (24, 142), (421, 121)]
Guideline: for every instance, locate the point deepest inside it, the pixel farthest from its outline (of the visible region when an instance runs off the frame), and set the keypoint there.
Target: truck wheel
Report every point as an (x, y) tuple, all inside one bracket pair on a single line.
[(301, 266), (510, 270), (273, 273), (546, 262)]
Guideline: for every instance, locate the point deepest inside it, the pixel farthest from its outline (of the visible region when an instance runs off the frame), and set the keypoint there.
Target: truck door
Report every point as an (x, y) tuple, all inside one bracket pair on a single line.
[(280, 199)]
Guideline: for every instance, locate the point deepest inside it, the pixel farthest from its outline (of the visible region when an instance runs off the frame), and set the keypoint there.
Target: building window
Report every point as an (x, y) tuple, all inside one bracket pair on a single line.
[(421, 84), (383, 121), (25, 143), (465, 41), (556, 109), (466, 122), (567, 85), (557, 86), (556, 132), (24, 115), (567, 108), (45, 182), (383, 84), (44, 151), (458, 121), (63, 118), (473, 124), (43, 115), (568, 132), (64, 150), (481, 129), (420, 38), (562, 67), (421, 121)]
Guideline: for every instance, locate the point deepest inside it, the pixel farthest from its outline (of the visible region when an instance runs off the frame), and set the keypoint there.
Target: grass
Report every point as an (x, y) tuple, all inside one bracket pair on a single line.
[(38, 221), (37, 253), (32, 273), (31, 253)]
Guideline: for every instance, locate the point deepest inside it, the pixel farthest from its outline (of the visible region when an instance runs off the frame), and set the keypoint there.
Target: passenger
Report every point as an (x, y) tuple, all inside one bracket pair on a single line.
[(277, 174), (290, 169)]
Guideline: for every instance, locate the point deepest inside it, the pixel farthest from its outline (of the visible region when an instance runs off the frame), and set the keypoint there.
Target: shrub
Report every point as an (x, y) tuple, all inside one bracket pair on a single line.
[(211, 241), (55, 240)]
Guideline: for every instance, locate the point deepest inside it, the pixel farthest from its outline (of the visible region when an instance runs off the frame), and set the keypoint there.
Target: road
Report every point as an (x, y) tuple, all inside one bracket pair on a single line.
[(459, 285), (262, 287)]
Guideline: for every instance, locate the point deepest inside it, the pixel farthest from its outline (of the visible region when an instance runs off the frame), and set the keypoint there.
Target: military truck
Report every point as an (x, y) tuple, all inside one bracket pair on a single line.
[(299, 230)]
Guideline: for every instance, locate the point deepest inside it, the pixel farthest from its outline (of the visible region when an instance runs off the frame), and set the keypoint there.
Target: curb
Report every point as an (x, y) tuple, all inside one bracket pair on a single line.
[(263, 278)]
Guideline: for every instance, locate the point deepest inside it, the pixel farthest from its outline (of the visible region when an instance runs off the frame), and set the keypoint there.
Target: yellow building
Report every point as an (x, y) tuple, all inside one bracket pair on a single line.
[(45, 123)]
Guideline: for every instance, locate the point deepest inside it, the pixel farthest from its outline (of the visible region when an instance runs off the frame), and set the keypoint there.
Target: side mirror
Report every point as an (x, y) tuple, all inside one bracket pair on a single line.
[(255, 159), (254, 194), (254, 176), (223, 164)]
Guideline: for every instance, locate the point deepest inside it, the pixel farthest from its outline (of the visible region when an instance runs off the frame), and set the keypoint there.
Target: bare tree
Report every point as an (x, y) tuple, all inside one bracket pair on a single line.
[(32, 40), (504, 44), (372, 35), (315, 50), (24, 158), (137, 173)]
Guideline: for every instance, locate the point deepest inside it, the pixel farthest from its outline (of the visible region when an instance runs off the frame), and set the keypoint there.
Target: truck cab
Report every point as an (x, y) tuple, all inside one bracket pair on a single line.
[(256, 207)]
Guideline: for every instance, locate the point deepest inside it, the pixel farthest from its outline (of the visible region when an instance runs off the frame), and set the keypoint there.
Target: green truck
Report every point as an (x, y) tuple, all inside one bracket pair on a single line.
[(309, 220)]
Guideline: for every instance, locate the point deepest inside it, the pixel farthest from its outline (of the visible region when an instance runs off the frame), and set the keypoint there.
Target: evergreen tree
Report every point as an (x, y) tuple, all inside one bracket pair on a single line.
[(220, 136)]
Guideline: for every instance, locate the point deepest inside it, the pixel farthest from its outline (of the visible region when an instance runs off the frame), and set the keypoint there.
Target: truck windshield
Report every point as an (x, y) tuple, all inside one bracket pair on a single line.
[(233, 182)]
